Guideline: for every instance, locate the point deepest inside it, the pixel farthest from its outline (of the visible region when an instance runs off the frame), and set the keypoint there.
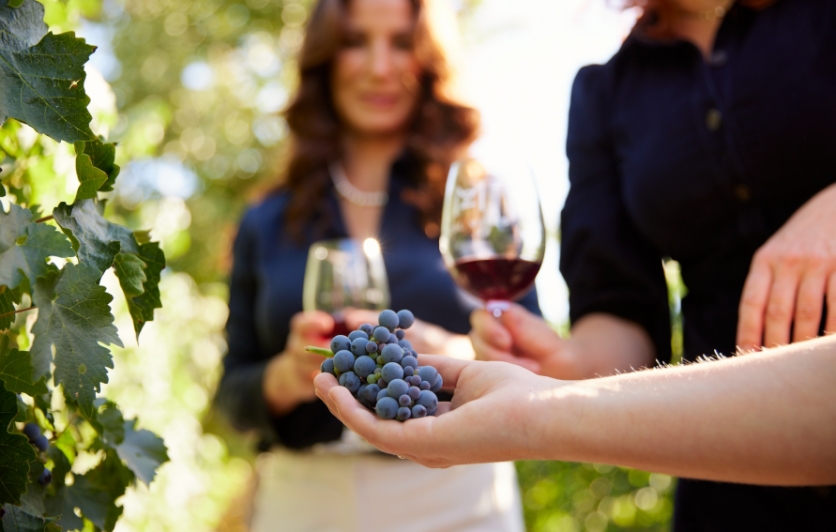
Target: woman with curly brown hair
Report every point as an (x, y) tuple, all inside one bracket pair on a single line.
[(374, 127)]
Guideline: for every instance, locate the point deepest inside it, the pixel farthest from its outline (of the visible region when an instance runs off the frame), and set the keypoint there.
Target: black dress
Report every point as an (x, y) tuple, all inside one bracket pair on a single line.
[(266, 291), (671, 155)]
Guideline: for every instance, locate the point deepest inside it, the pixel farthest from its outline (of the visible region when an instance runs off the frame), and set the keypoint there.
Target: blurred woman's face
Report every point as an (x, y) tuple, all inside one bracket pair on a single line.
[(375, 75)]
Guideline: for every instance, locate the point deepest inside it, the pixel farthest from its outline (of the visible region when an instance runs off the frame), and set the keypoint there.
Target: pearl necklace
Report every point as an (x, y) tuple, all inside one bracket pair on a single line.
[(353, 194)]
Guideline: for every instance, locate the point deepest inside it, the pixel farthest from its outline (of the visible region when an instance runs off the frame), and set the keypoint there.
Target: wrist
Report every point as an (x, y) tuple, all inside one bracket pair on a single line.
[(278, 387)]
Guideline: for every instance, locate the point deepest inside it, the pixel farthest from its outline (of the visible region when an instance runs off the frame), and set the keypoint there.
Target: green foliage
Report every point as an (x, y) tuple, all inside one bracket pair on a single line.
[(54, 262), (567, 497)]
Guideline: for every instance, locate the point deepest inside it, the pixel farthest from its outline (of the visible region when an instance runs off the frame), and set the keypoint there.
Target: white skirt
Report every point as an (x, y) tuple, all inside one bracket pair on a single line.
[(308, 492)]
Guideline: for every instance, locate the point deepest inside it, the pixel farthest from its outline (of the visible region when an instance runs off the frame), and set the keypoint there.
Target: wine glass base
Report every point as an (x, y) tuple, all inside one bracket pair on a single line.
[(497, 307)]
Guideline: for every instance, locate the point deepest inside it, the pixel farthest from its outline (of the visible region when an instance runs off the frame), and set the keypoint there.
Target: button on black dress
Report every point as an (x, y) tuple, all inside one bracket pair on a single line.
[(701, 160)]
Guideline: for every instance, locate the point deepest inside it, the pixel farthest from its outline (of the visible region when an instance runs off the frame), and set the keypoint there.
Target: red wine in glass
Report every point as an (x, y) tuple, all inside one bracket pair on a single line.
[(492, 234), (340, 327), (496, 279)]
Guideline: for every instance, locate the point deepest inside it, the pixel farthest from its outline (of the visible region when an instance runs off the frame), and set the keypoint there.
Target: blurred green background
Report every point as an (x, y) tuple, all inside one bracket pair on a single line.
[(192, 90)]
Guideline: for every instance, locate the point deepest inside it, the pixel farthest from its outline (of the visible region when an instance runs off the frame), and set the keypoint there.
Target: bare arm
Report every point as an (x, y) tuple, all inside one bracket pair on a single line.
[(768, 418)]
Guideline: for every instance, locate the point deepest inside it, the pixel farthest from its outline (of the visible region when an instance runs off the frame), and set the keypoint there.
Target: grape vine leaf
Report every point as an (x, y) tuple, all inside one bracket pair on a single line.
[(16, 519), (42, 82), (142, 306), (100, 157), (130, 270), (23, 27), (15, 452), (74, 319), (16, 371), (143, 451), (95, 240), (25, 246), (102, 244), (8, 298), (109, 422)]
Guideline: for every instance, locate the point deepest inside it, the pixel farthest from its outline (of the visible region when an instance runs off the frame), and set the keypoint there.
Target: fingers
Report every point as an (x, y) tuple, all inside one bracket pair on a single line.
[(753, 301), (356, 317), (312, 323), (486, 352), (830, 326), (532, 336), (490, 332), (449, 368), (780, 308), (808, 306)]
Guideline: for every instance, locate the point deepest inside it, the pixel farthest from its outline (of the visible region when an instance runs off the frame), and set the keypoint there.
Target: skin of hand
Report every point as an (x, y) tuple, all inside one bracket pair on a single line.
[(773, 416), (424, 337), (491, 399), (792, 276), (601, 344), (289, 375)]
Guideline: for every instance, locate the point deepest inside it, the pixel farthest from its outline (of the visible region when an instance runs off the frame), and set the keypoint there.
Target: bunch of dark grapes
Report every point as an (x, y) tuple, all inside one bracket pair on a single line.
[(37, 439), (380, 368)]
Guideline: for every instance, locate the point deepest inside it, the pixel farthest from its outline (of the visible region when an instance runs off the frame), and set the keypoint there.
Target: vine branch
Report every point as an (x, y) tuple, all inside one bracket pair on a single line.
[(44, 219), (7, 314)]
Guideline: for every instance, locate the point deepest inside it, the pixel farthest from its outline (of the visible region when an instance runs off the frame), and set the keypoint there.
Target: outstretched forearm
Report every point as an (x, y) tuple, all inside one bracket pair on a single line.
[(766, 418)]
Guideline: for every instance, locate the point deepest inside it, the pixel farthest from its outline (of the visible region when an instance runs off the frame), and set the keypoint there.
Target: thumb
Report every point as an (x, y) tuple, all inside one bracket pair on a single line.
[(312, 323)]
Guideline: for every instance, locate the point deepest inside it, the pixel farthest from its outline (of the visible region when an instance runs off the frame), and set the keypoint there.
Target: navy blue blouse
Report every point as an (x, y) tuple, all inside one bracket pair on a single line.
[(266, 291), (701, 161)]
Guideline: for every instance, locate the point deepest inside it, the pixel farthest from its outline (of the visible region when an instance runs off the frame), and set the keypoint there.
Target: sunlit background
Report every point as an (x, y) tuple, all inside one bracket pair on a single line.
[(198, 85)]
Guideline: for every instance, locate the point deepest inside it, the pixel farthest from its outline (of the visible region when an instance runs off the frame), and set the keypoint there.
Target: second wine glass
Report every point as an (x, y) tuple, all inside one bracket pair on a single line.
[(492, 234), (342, 274)]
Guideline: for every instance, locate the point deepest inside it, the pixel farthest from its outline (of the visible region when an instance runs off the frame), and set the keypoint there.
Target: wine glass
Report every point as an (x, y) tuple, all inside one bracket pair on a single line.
[(344, 273), (492, 234)]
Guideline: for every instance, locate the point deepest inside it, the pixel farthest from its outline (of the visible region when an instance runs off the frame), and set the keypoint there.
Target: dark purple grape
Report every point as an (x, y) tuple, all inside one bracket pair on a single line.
[(414, 393), (408, 371), (428, 399), (405, 400), (428, 373), (438, 384), (350, 381), (32, 431), (415, 380), (392, 353), (389, 319), (381, 334), (371, 392), (353, 335), (358, 347), (386, 408), (409, 361), (340, 343), (327, 366), (397, 388), (419, 411), (41, 443), (404, 413), (371, 347), (405, 319), (392, 371), (364, 366), (400, 333), (45, 478), (343, 361), (381, 394)]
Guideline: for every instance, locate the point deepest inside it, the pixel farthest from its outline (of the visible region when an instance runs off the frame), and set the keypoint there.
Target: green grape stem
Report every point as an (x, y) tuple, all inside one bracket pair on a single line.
[(319, 351)]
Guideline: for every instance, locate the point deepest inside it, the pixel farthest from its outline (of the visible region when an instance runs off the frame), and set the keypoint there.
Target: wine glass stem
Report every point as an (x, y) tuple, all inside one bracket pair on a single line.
[(496, 307)]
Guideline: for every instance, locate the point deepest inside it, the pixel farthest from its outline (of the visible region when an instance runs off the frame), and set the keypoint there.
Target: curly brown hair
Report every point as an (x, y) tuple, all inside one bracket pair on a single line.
[(441, 129), (655, 20)]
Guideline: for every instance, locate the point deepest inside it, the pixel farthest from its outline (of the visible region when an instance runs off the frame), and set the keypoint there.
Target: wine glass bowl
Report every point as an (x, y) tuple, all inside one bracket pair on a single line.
[(342, 274), (492, 232)]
